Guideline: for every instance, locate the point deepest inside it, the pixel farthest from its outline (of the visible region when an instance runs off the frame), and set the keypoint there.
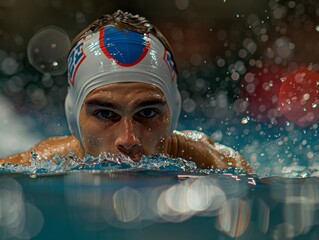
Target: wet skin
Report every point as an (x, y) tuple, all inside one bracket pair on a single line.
[(125, 118)]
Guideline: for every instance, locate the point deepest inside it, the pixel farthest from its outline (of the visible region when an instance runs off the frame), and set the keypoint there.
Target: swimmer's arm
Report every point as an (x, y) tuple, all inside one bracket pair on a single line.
[(202, 150), (47, 148)]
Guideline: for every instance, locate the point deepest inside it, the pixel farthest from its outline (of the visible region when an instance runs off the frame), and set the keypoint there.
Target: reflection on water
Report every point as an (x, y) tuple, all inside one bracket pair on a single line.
[(18, 218), (112, 195)]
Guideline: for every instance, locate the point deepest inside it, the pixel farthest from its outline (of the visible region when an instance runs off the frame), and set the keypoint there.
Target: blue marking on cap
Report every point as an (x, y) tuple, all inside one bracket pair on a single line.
[(170, 63), (75, 58), (127, 48)]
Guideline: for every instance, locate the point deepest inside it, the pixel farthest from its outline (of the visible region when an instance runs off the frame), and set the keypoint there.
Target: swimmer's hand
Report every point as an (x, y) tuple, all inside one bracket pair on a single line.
[(199, 148), (48, 148)]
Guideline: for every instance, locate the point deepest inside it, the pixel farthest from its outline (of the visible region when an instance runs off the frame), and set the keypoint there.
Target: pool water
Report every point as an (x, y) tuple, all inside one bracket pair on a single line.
[(113, 198)]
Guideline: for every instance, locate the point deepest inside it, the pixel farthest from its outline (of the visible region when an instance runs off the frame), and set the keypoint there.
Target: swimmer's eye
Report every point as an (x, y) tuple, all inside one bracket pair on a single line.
[(105, 114), (147, 113)]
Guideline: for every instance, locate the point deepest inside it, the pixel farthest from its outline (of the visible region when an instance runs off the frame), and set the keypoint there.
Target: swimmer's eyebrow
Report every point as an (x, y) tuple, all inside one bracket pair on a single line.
[(101, 103), (151, 102), (138, 104)]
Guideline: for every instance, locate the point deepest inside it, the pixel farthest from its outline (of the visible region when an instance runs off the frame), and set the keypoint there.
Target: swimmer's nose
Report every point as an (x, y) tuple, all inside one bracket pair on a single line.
[(127, 141)]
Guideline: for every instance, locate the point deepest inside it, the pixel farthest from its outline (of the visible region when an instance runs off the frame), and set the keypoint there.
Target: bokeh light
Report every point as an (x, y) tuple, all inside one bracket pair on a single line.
[(18, 218), (299, 97), (234, 217)]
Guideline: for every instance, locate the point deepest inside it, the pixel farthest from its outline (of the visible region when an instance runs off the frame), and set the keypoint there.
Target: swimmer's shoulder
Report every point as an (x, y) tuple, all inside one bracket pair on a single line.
[(47, 148), (201, 149), (59, 145)]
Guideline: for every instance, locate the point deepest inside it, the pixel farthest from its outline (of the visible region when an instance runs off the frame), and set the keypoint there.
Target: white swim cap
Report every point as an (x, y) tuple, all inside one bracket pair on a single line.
[(112, 55)]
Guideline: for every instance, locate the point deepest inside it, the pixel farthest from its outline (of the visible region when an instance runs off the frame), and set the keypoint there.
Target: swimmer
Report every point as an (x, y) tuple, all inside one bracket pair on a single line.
[(123, 99)]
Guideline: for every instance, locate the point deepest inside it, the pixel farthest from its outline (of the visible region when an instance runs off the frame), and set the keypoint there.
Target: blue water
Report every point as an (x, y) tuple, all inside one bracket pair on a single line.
[(111, 197)]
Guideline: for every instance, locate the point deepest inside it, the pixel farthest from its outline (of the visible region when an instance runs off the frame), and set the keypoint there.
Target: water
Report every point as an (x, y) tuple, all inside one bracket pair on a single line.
[(112, 197)]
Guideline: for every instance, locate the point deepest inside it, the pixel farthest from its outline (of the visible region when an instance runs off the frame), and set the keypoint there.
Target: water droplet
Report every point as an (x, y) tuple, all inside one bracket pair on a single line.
[(48, 49), (245, 120), (306, 96), (33, 175)]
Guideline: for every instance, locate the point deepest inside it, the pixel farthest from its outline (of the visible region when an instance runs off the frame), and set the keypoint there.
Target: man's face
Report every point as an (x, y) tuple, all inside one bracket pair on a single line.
[(125, 118)]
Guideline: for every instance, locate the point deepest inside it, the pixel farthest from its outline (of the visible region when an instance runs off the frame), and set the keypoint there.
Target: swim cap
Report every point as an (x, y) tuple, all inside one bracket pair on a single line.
[(112, 55)]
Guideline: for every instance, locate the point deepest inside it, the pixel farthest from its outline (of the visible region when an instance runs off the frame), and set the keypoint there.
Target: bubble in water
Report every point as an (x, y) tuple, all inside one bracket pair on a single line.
[(189, 105), (9, 66), (250, 45), (249, 77), (279, 12), (220, 62), (240, 105), (235, 76), (182, 4), (284, 48), (48, 49), (242, 53)]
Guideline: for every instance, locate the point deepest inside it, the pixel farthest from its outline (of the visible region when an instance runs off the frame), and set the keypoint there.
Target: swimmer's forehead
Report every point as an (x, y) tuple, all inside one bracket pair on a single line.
[(131, 93), (123, 87)]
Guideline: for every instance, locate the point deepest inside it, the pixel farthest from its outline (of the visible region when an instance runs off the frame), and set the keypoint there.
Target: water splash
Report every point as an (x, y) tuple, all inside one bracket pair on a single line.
[(59, 164), (107, 162)]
